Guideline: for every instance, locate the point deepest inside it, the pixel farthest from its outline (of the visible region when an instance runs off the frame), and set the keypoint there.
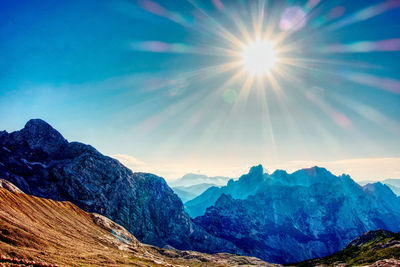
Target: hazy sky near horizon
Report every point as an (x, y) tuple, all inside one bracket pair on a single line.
[(153, 84)]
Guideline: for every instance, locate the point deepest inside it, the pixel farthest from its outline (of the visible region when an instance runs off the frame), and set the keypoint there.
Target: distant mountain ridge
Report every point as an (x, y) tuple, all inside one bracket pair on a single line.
[(395, 189), (195, 179), (394, 184), (285, 217), (182, 194), (391, 181), (41, 162), (187, 193), (192, 185)]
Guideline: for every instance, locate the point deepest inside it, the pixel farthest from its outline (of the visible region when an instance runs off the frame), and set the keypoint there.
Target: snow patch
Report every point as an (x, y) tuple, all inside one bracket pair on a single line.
[(38, 163), (26, 163), (33, 163)]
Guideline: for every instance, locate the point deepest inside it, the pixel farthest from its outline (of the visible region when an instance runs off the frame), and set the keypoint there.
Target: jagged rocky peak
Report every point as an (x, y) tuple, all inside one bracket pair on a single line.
[(312, 211), (230, 182), (255, 174), (39, 129), (38, 135), (256, 170)]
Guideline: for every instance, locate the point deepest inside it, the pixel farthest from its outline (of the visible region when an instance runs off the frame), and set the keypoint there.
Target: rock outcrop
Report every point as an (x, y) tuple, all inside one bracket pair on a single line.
[(41, 162), (9, 186)]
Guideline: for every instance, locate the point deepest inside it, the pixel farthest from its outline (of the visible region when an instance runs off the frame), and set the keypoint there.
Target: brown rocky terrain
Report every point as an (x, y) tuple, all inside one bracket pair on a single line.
[(42, 232)]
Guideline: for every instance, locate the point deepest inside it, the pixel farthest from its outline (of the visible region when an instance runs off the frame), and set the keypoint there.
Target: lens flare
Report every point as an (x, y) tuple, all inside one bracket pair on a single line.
[(268, 53), (293, 18)]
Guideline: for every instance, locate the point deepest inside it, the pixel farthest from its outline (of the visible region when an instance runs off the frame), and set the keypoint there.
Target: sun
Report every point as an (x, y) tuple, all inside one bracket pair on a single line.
[(258, 57)]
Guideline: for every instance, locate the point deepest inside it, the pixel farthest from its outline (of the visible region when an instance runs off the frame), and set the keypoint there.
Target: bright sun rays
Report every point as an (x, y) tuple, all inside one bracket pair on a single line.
[(275, 50), (259, 57)]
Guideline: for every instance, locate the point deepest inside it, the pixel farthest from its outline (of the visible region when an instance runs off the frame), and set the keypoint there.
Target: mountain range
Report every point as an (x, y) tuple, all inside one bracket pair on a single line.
[(195, 179), (278, 217), (41, 162), (192, 185), (41, 232), (290, 217)]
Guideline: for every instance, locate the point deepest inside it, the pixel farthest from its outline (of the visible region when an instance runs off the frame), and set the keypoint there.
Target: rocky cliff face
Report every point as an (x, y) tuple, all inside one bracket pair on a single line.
[(41, 162), (310, 213)]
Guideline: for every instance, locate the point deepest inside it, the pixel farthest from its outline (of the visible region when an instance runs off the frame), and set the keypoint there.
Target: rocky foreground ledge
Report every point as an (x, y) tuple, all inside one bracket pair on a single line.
[(42, 232)]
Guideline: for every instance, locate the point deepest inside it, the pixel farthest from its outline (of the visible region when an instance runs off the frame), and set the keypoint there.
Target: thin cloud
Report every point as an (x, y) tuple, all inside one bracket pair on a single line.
[(358, 168), (129, 161)]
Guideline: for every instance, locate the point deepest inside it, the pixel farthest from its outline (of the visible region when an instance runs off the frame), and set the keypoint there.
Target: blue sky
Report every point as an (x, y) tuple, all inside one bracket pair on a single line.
[(142, 80)]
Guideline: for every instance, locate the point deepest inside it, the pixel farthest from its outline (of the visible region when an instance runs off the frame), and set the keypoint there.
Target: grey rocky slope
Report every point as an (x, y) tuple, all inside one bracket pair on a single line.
[(39, 161), (292, 217)]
